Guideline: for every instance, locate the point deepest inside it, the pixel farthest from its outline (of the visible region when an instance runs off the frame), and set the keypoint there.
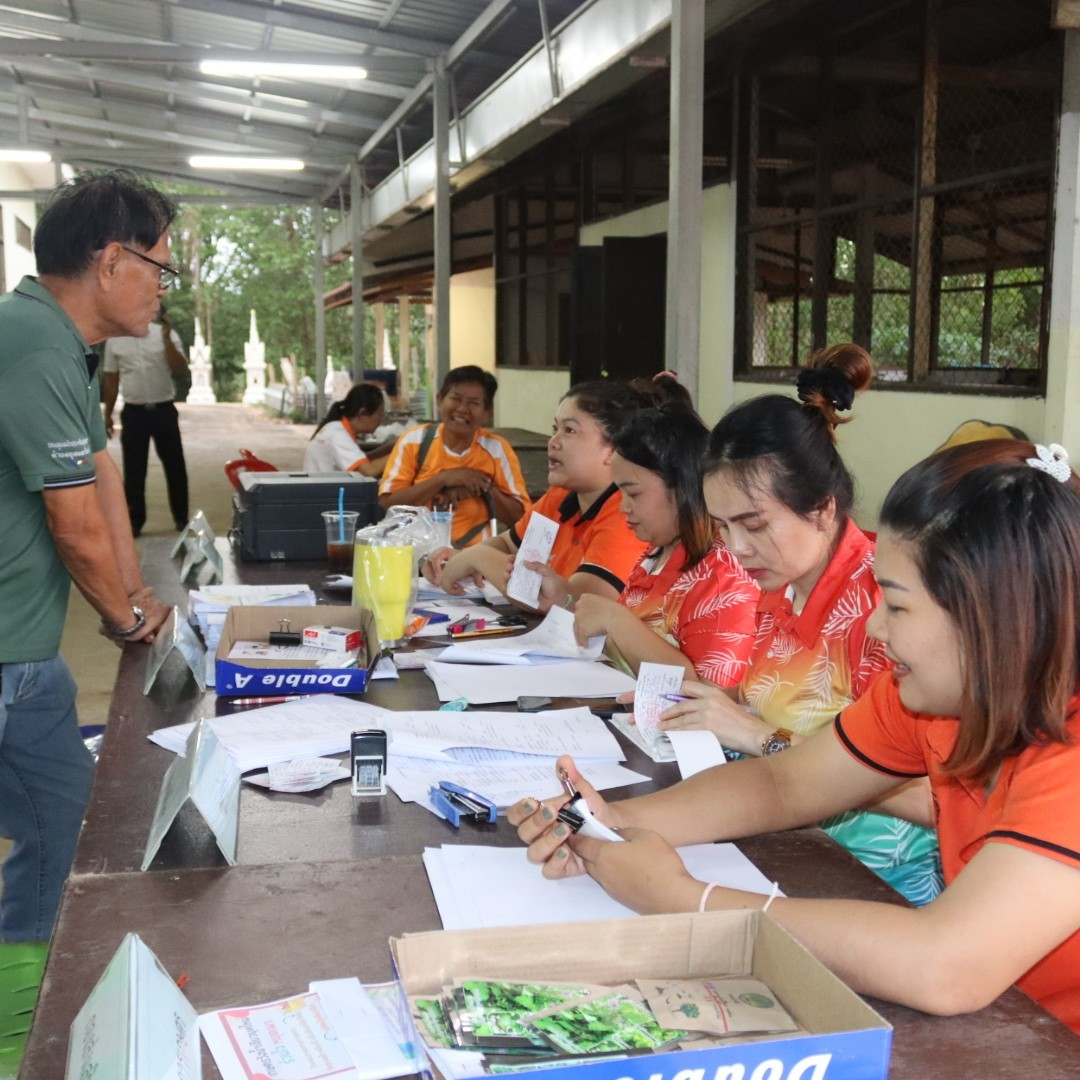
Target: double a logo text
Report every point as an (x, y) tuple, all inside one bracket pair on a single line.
[(812, 1067)]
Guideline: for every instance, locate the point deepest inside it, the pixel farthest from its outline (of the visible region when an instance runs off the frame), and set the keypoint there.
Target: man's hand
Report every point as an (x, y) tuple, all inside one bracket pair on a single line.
[(110, 427)]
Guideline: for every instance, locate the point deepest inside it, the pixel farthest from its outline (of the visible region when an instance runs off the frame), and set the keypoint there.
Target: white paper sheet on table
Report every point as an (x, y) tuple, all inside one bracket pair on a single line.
[(562, 731), (504, 783), (361, 1028), (314, 726), (486, 684), (696, 751), (477, 887), (553, 638)]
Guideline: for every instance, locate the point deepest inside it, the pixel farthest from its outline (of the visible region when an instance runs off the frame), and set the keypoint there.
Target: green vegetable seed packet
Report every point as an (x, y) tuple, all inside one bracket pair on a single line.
[(491, 1012), (431, 1022), (603, 1025)]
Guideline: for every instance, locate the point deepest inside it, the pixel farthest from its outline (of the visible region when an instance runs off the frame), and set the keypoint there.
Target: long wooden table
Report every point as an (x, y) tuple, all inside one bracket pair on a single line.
[(325, 880)]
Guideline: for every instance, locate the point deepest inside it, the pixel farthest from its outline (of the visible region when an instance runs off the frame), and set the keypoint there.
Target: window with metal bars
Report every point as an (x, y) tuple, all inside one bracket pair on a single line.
[(895, 188)]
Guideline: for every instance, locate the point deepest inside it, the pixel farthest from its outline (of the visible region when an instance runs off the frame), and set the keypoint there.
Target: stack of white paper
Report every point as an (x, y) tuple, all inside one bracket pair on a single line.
[(486, 684), (208, 606), (257, 738), (479, 887), (503, 756)]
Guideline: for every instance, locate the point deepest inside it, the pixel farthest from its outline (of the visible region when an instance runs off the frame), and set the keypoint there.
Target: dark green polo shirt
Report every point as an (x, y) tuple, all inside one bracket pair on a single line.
[(50, 428)]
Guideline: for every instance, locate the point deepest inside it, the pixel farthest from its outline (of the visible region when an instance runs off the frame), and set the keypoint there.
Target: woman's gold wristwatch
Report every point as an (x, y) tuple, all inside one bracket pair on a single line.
[(779, 740)]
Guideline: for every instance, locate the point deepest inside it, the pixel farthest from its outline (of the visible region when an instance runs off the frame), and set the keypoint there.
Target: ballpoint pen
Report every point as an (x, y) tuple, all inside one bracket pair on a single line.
[(266, 700)]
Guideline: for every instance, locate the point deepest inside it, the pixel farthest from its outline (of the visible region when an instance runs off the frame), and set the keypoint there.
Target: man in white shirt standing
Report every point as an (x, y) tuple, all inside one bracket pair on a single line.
[(143, 369)]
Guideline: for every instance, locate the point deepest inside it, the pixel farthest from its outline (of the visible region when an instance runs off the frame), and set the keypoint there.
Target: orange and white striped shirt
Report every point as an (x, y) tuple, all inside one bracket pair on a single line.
[(489, 453)]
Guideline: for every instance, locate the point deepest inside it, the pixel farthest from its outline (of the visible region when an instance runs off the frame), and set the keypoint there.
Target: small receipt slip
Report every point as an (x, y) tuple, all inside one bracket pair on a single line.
[(654, 683), (524, 584)]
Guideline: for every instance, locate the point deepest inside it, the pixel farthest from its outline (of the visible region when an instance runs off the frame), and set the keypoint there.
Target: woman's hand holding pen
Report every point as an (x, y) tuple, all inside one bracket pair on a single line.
[(710, 708), (539, 827), (433, 564), (645, 872)]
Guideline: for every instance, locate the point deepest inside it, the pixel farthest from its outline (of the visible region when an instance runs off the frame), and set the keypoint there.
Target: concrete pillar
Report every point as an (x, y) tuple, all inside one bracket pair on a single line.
[(1063, 352), (319, 280), (683, 307), (356, 222), (441, 291)]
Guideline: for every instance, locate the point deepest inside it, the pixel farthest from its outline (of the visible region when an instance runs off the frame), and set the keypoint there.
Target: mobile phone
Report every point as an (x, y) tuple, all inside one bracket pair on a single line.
[(367, 756)]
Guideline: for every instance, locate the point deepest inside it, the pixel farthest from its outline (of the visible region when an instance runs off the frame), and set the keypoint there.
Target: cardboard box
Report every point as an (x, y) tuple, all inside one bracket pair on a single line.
[(264, 678), (847, 1040)]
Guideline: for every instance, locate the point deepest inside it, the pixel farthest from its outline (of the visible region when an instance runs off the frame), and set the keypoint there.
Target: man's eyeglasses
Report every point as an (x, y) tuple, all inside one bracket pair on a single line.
[(168, 276)]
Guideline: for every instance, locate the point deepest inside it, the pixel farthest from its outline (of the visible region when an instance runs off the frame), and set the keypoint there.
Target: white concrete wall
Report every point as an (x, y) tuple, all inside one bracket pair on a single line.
[(18, 260), (528, 397), (472, 319), (891, 430)]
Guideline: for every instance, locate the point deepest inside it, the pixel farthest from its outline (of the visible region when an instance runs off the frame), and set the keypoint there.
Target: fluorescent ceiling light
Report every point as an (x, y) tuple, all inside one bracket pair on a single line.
[(257, 68), (262, 164), (29, 157)]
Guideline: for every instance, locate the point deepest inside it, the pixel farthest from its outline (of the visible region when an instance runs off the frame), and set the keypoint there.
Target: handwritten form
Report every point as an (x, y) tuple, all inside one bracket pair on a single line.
[(536, 544), (654, 681)]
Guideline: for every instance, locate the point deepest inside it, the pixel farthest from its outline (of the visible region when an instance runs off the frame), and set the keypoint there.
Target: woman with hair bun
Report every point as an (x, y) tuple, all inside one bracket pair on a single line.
[(778, 489), (333, 446)]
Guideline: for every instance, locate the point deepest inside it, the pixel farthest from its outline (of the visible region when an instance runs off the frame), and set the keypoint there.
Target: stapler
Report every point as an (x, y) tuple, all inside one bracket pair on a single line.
[(455, 803)]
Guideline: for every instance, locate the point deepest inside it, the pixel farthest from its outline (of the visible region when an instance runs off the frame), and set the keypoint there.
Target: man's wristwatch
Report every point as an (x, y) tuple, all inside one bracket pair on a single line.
[(779, 740), (123, 633)]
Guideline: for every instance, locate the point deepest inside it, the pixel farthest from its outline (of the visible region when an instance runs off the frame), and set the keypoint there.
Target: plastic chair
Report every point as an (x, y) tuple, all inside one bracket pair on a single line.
[(246, 462), (21, 966)]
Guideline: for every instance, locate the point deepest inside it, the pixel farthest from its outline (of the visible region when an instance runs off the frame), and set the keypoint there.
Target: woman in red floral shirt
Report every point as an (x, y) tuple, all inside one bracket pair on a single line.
[(688, 601)]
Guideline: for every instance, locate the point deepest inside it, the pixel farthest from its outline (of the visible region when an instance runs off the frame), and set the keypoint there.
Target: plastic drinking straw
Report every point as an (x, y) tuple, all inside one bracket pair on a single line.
[(341, 514)]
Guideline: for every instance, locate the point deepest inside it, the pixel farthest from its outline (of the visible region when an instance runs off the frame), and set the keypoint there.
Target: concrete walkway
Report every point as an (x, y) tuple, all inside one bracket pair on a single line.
[(212, 434)]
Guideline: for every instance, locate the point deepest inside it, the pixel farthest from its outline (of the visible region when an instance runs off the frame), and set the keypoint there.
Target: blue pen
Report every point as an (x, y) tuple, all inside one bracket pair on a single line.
[(677, 697)]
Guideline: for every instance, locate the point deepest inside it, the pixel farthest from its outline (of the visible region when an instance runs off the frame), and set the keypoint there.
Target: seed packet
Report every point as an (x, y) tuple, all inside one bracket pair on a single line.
[(491, 1011), (606, 1024), (720, 1006), (431, 1021)]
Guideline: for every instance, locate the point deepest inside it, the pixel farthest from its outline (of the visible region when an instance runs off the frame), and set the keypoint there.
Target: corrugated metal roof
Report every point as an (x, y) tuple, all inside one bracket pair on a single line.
[(117, 81)]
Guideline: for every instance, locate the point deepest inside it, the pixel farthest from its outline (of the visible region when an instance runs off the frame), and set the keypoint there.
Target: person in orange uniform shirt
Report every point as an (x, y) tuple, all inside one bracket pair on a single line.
[(457, 464), (978, 560), (594, 549)]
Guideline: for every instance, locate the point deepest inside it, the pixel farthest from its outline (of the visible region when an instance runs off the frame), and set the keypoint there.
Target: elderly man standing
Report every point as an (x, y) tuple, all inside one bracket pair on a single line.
[(103, 258)]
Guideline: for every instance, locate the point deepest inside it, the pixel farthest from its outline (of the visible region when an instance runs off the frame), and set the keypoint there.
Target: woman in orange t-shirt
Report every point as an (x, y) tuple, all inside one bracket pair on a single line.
[(594, 549), (978, 559)]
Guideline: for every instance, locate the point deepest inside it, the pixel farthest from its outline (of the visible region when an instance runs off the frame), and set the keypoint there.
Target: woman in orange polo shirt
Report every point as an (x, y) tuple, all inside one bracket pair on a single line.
[(979, 562), (333, 446), (594, 549), (688, 601)]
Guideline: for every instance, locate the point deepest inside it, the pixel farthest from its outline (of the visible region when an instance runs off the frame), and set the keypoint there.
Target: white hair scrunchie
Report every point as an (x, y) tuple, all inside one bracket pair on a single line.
[(1052, 459)]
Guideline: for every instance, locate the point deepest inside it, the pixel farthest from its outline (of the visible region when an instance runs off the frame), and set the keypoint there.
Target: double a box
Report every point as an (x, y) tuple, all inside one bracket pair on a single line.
[(264, 678), (842, 1038)]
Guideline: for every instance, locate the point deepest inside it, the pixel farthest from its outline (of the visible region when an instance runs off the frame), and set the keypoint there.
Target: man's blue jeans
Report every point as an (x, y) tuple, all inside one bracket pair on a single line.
[(45, 777)]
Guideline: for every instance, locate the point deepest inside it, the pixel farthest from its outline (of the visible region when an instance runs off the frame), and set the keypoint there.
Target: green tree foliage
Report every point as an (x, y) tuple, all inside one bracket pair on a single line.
[(238, 259)]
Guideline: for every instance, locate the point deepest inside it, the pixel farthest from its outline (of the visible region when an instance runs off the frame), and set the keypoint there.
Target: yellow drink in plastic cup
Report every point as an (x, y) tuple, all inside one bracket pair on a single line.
[(383, 579)]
